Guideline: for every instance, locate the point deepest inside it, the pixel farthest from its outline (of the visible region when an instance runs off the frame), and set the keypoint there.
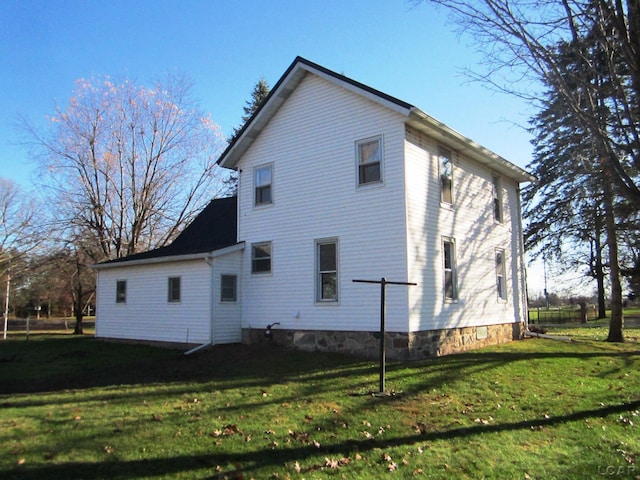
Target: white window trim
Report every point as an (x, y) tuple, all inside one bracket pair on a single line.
[(317, 272), (256, 244), (454, 271), (255, 186), (380, 140), (443, 202), (502, 295)]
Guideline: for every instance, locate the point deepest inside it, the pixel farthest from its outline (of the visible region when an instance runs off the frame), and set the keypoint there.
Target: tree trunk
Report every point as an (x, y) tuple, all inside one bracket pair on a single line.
[(617, 320), (78, 329), (598, 268)]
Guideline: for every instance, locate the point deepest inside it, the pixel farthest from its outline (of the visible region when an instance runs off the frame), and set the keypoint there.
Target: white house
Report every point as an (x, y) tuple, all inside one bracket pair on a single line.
[(338, 182)]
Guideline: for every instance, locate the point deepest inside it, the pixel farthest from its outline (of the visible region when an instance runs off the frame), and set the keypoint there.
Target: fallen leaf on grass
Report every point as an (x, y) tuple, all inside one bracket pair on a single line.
[(331, 463)]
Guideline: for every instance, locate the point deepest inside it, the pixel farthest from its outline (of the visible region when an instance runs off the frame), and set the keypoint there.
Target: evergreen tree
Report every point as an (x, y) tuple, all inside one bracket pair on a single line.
[(258, 95)]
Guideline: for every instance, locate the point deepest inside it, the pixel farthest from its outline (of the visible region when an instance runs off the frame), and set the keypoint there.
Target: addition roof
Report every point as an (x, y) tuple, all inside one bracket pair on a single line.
[(213, 229), (415, 117)]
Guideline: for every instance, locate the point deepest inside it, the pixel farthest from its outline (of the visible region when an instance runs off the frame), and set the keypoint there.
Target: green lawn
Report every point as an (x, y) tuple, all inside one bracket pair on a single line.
[(74, 407)]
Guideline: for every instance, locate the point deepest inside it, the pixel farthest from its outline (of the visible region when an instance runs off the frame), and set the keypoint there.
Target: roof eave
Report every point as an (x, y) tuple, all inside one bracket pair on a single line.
[(171, 258), (283, 89), (458, 142)]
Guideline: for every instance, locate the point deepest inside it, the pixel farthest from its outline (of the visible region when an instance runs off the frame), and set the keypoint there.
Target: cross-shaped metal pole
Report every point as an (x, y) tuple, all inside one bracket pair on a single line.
[(383, 282)]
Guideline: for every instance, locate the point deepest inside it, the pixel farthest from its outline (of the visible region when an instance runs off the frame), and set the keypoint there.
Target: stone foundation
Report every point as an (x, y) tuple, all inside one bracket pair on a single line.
[(399, 345)]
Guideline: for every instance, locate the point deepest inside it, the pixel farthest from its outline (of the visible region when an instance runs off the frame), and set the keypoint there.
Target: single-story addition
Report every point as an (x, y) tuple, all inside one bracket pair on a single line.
[(337, 182)]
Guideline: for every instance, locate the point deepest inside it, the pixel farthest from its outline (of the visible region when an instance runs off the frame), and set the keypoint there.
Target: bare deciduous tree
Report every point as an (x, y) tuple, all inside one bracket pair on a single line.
[(521, 40), (129, 165), (18, 234)]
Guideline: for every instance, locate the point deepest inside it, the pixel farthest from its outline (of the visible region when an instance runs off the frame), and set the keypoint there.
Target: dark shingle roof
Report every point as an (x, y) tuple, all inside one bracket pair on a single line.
[(214, 228)]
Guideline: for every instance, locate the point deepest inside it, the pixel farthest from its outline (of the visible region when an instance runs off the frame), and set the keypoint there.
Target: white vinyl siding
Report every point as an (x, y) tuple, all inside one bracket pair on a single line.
[(226, 325), (311, 141), (473, 226), (147, 315)]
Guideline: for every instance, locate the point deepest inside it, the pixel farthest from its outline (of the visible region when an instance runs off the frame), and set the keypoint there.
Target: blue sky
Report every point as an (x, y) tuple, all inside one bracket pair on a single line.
[(410, 52), (225, 46)]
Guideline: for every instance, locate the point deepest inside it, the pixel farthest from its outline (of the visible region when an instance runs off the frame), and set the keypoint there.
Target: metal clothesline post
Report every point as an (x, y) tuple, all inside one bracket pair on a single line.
[(383, 282)]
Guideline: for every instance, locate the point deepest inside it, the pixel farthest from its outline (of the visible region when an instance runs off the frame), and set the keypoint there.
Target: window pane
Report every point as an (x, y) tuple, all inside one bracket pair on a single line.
[(263, 176), (228, 288), (121, 291), (447, 255), (263, 194), (327, 271), (369, 173), (370, 152), (500, 274), (497, 200), (447, 196), (327, 257), (174, 289), (262, 185), (262, 251), (449, 289), (446, 175), (261, 258), (329, 287), (450, 286)]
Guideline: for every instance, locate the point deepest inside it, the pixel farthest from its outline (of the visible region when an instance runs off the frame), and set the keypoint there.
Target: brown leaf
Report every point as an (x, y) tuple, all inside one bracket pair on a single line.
[(331, 463)]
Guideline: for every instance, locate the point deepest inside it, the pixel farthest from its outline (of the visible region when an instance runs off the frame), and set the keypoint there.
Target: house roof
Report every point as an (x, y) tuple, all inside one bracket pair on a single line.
[(415, 117), (215, 228)]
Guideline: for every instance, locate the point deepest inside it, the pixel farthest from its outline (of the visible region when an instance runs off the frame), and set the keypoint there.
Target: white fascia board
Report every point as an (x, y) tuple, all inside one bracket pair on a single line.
[(151, 261), (458, 142), (205, 256), (358, 90)]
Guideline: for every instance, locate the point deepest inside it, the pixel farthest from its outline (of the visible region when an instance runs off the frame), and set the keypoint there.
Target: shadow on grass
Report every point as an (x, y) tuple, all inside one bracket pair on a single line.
[(277, 458), (51, 365)]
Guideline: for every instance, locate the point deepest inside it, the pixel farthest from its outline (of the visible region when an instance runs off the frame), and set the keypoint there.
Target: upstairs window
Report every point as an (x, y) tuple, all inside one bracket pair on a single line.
[(327, 271), (501, 283), (446, 175), (497, 199), (369, 156), (263, 182), (121, 291), (450, 280), (261, 257)]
